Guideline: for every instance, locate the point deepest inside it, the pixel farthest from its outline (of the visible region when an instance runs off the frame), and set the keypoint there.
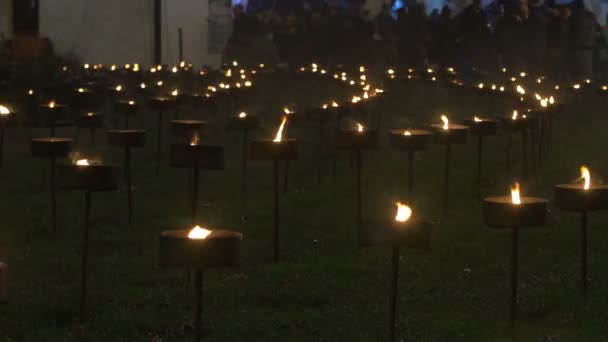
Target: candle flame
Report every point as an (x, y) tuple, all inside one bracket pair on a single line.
[(52, 104), (142, 85), (30, 92), (195, 140), (551, 100), (515, 199), (360, 127), (586, 177), (476, 119), (538, 97), (279, 135), (287, 111), (407, 133), (543, 103), (131, 103), (480, 85), (446, 122), (4, 110), (118, 88), (82, 162), (334, 104), (514, 116), (403, 212), (81, 90), (242, 115), (521, 90), (198, 233), (175, 92)]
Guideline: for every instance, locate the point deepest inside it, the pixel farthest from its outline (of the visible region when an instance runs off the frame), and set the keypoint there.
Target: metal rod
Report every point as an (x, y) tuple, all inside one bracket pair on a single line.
[(85, 251), (584, 279), (446, 182), (198, 306), (54, 195), (479, 163), (509, 143), (276, 209), (393, 294), (514, 266), (195, 176), (1, 145), (525, 148), (286, 177), (159, 140), (410, 173), (244, 167), (320, 153), (129, 185), (359, 205)]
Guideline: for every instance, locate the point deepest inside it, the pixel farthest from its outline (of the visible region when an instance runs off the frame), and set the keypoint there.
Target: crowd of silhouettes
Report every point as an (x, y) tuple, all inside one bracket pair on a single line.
[(559, 40)]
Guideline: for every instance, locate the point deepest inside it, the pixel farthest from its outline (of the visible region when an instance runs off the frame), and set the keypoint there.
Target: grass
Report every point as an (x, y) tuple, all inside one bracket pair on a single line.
[(323, 289)]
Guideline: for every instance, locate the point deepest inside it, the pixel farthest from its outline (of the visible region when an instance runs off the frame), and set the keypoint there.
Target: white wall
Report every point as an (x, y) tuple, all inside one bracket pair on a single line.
[(121, 31), (6, 18)]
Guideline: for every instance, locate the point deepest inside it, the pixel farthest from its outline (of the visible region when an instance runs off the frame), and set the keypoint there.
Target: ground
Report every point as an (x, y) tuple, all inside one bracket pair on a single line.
[(324, 289)]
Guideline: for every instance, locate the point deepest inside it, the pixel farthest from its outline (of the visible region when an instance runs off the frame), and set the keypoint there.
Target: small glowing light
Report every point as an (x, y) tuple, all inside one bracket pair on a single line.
[(515, 199), (334, 104), (242, 115), (390, 71), (446, 122), (480, 85), (576, 86), (279, 135), (229, 73), (514, 116), (127, 66), (248, 84), (521, 90), (52, 104), (175, 92), (30, 92), (195, 140), (235, 63), (159, 83), (142, 85), (404, 212), (113, 67), (522, 74), (407, 133), (476, 119), (118, 88), (198, 233), (81, 90), (131, 103), (359, 127), (174, 70), (551, 100), (182, 64), (82, 162), (4, 110), (90, 114), (586, 177), (86, 66)]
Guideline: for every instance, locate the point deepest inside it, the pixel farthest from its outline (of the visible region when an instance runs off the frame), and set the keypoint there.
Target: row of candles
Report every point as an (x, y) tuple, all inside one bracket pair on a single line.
[(404, 212)]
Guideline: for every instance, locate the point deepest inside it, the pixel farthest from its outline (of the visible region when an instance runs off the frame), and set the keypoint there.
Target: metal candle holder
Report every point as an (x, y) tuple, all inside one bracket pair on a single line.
[(500, 212), (52, 148), (184, 130), (481, 129), (519, 125), (6, 120), (196, 158), (52, 116), (455, 134), (284, 150), (89, 178), (321, 117), (160, 104), (244, 124), (357, 141), (416, 140), (127, 108), (413, 234), (91, 121), (128, 139), (220, 249), (574, 198)]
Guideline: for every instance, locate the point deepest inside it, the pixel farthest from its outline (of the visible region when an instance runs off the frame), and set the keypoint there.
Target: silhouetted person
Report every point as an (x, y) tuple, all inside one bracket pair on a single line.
[(475, 34)]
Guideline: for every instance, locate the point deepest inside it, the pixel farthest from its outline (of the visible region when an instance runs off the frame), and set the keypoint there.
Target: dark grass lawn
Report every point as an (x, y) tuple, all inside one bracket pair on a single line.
[(323, 289)]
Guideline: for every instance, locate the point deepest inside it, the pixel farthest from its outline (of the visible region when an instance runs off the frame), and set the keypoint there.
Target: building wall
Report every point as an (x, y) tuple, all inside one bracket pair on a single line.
[(121, 31)]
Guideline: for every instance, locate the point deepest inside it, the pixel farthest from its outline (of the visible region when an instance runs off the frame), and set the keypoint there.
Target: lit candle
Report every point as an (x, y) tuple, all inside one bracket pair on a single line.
[(198, 233)]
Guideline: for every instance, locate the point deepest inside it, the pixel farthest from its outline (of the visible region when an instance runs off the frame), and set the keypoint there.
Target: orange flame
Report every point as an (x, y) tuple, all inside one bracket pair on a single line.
[(195, 140), (279, 135), (403, 212), (515, 199), (407, 133), (198, 233), (360, 127), (4, 110), (52, 104), (514, 116), (476, 119), (586, 177)]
